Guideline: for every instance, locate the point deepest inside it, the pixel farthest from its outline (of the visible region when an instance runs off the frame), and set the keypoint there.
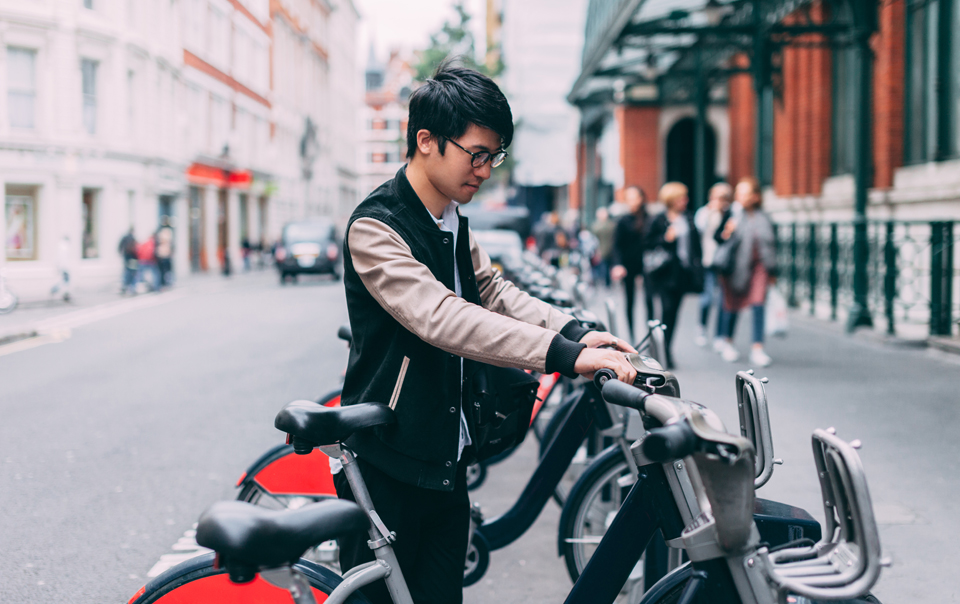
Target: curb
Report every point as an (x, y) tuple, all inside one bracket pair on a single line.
[(948, 345), (16, 337)]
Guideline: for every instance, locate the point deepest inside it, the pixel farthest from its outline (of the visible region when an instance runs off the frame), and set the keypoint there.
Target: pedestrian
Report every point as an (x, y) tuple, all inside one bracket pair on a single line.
[(164, 253), (707, 220), (245, 250), (147, 262), (128, 250), (673, 259), (62, 286), (628, 253), (544, 232), (427, 310), (604, 230), (754, 268)]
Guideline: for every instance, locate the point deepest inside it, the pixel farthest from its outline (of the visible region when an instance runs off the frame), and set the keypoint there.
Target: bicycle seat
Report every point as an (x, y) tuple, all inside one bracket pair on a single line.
[(249, 538), (319, 425)]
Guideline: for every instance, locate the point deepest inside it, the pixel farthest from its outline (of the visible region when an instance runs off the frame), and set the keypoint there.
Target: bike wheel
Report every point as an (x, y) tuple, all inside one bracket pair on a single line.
[(197, 580), (8, 301), (592, 505)]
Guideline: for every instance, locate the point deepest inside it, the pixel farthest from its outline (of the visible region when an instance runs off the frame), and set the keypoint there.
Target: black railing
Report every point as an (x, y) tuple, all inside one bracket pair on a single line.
[(913, 271)]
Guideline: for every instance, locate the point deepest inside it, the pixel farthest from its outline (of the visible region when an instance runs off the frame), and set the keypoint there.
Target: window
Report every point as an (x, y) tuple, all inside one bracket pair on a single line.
[(88, 71), (21, 86), (88, 4), (131, 103), (378, 158), (20, 238), (89, 218), (846, 79)]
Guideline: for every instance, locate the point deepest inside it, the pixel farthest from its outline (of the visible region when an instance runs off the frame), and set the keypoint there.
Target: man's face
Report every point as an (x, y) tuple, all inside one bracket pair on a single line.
[(452, 173)]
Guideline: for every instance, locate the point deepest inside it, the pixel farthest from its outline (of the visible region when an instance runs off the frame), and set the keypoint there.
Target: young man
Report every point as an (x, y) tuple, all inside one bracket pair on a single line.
[(425, 306)]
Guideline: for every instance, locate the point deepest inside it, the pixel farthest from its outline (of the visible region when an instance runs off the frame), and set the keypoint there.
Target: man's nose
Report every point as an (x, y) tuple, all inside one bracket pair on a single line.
[(484, 170)]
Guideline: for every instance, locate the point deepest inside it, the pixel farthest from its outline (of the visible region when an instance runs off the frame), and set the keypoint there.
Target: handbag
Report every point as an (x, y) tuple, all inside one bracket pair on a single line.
[(725, 258), (655, 260), (503, 400)]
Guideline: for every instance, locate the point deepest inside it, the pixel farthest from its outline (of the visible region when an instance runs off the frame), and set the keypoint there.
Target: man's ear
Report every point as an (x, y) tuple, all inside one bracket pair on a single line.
[(425, 141)]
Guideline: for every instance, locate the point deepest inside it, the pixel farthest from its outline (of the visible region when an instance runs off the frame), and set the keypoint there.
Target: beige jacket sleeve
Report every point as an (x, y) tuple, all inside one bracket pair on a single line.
[(408, 290), (503, 297)]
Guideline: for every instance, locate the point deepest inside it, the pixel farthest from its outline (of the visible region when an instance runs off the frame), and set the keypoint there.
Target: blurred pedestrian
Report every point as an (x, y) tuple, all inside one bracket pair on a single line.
[(604, 230), (628, 250), (673, 259), (62, 287), (128, 249), (147, 272), (245, 251), (544, 231), (164, 253), (754, 268), (707, 220)]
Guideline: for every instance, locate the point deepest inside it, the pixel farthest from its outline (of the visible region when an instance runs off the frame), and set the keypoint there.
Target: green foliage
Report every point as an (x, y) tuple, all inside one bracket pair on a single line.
[(453, 40)]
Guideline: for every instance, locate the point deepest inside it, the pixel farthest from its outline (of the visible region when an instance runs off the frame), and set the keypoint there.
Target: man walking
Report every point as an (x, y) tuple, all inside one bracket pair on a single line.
[(426, 309)]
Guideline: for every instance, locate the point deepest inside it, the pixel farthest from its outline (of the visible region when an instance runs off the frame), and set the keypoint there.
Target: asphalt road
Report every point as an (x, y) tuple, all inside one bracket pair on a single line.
[(114, 438)]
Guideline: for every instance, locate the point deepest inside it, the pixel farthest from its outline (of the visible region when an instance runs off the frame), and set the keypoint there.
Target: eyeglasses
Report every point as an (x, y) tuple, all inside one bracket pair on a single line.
[(480, 158)]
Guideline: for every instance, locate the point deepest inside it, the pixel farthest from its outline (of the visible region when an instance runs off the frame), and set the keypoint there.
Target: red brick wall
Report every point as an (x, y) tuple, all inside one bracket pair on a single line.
[(640, 147), (742, 114), (888, 72), (802, 118)]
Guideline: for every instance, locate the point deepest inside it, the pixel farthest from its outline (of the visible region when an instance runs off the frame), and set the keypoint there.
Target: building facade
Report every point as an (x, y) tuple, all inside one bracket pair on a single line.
[(121, 114), (383, 119)]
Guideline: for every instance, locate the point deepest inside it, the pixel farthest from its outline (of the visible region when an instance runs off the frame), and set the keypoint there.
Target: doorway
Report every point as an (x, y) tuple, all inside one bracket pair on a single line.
[(680, 156)]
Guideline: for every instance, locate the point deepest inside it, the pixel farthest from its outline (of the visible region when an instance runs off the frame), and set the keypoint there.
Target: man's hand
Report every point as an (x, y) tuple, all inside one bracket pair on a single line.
[(592, 360), (618, 272), (596, 339)]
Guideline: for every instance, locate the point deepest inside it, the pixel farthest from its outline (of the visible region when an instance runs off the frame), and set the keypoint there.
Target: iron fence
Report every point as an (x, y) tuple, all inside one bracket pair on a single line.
[(913, 271)]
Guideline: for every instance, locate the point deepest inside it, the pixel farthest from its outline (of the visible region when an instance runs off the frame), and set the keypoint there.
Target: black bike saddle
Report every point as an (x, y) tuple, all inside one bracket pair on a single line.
[(251, 538), (318, 425)]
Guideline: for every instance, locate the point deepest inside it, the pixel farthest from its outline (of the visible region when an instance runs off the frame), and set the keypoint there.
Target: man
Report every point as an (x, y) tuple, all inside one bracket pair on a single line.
[(425, 306), (128, 249), (164, 252)]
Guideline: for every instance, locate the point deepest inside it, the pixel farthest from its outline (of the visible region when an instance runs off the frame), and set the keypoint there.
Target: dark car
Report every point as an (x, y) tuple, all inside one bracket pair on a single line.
[(308, 247)]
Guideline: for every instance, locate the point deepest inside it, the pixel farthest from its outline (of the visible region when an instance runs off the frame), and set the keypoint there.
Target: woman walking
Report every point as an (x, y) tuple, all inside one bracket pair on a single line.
[(673, 260), (628, 252), (754, 268)]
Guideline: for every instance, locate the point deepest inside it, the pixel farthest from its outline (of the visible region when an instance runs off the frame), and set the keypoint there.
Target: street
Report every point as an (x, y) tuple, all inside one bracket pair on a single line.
[(117, 436)]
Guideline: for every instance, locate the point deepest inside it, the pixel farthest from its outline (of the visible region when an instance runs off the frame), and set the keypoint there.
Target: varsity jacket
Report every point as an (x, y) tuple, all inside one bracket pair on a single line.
[(410, 331)]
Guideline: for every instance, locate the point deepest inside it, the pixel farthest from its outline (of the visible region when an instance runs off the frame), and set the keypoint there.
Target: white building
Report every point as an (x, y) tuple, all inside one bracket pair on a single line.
[(114, 113), (383, 119)]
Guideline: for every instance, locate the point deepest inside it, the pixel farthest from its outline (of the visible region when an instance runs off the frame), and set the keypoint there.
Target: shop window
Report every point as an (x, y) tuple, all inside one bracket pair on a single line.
[(88, 70), (89, 239), (378, 158), (21, 86), (20, 210)]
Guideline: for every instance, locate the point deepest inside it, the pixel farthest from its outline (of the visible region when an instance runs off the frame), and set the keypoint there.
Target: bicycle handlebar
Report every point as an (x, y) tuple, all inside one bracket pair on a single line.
[(616, 392), (673, 441)]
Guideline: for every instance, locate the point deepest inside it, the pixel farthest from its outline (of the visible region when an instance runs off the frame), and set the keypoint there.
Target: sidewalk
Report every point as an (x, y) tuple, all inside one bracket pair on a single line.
[(39, 317)]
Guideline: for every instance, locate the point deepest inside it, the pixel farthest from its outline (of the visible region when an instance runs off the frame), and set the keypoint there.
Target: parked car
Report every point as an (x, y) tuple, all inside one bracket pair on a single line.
[(308, 247)]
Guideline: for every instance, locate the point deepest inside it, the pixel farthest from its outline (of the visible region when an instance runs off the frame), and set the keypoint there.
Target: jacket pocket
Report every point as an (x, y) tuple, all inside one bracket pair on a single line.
[(396, 389)]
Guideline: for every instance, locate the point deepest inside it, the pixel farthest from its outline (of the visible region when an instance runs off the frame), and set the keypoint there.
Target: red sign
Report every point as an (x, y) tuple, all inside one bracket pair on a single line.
[(202, 174)]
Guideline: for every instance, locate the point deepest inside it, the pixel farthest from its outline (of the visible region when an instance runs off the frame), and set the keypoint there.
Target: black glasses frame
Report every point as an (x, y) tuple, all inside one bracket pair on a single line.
[(480, 158)]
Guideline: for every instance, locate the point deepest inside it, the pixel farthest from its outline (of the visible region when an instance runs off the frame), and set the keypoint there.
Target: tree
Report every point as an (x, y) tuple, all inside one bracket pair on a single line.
[(453, 40)]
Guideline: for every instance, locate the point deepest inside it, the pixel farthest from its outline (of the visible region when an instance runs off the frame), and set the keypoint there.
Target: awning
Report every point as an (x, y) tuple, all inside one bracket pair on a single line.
[(203, 174)]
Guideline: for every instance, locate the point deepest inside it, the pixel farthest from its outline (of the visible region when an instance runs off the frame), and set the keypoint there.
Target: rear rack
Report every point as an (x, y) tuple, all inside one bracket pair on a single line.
[(846, 563)]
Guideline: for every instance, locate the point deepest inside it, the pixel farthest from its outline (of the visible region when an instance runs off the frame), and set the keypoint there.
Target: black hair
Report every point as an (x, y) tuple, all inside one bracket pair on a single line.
[(451, 100)]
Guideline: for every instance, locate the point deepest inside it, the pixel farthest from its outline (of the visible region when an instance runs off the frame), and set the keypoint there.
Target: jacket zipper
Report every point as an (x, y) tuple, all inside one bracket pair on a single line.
[(396, 389)]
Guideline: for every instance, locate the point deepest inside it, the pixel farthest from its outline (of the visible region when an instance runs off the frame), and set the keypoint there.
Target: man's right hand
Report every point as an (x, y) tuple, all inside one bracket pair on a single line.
[(618, 272), (592, 360)]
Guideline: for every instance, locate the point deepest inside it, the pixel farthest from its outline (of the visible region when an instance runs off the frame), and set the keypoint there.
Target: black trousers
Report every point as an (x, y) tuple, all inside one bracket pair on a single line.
[(630, 286), (431, 528), (670, 309)]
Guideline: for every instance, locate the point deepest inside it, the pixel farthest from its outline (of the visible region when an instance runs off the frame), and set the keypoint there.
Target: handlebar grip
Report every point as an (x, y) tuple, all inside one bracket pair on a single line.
[(345, 333), (625, 395), (671, 442)]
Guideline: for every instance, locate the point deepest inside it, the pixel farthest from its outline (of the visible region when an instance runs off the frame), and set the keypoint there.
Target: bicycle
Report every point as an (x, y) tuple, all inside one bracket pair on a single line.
[(703, 504), (598, 494), (8, 299)]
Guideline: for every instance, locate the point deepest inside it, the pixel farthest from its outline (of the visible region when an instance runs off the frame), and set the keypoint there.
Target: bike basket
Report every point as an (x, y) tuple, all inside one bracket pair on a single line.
[(846, 563), (755, 423)]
